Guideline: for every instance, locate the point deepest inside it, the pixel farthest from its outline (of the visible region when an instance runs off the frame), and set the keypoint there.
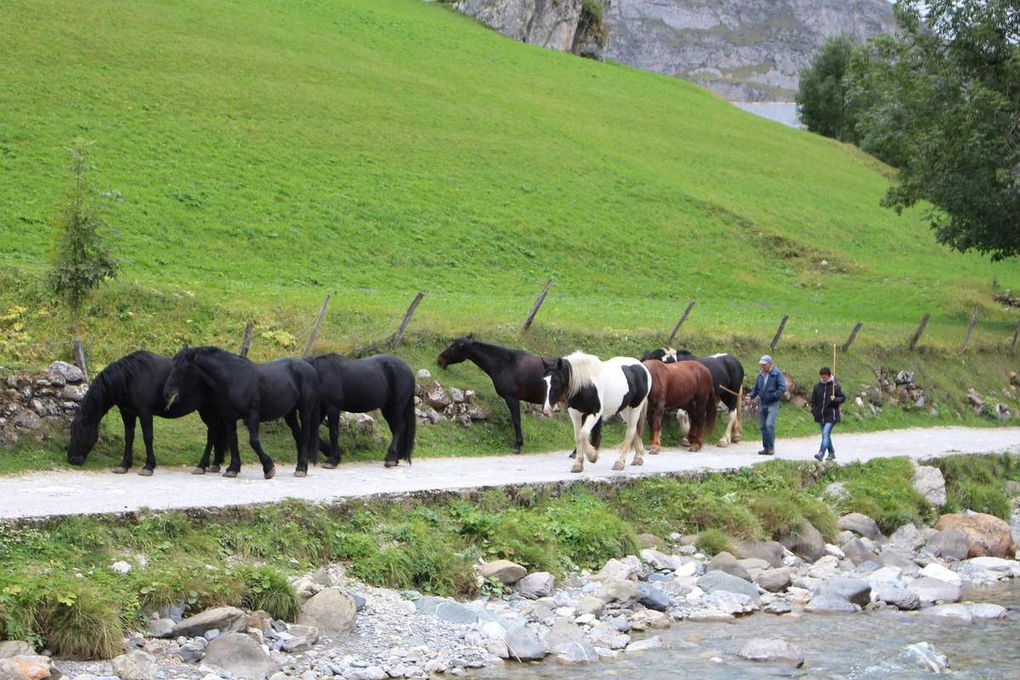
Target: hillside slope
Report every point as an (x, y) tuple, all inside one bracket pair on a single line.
[(271, 152)]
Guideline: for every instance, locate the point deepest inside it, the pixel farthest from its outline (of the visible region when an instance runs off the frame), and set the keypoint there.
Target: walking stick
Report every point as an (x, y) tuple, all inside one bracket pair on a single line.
[(833, 371)]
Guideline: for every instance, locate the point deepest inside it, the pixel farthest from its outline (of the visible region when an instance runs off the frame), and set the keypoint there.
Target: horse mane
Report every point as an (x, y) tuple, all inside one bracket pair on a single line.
[(584, 368), (111, 384)]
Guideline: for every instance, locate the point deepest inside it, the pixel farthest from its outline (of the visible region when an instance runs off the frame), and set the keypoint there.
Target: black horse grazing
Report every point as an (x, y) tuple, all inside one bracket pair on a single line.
[(285, 388), (134, 384), (727, 377), (516, 375), (381, 382)]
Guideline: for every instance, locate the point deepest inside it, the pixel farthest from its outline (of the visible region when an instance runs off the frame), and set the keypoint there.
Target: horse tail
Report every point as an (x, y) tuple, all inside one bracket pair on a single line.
[(710, 408), (407, 436), (401, 379)]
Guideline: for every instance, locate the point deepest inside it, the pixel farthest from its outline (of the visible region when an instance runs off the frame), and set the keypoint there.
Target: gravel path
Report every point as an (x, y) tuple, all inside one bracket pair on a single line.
[(67, 492)]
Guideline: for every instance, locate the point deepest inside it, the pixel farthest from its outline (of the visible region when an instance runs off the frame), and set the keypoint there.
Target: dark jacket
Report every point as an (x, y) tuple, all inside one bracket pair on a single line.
[(771, 389), (823, 408)]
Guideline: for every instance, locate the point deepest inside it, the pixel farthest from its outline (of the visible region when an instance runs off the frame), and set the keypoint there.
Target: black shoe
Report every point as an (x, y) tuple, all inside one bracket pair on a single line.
[(832, 456), (819, 456), (767, 452)]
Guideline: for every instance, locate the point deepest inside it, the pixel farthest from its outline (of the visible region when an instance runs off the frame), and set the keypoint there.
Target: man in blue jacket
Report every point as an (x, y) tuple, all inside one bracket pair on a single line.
[(769, 387)]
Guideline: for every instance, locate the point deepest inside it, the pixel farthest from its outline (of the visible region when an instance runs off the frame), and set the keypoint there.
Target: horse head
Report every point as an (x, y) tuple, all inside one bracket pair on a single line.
[(84, 435), (557, 379), (183, 375), (666, 355), (456, 352)]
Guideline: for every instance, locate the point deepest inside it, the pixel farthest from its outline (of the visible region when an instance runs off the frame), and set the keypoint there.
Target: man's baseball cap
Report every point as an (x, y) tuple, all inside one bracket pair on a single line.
[(766, 359)]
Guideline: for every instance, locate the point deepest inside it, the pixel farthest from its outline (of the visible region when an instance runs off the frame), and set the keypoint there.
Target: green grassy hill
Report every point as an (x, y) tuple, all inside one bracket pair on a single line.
[(269, 153)]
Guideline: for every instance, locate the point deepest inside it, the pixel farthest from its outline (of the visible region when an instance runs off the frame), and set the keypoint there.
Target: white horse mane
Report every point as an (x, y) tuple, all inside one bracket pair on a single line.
[(584, 368)]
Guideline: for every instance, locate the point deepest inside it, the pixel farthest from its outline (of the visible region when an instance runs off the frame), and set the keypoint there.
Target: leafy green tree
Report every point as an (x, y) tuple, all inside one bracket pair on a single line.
[(81, 261), (940, 100), (822, 97)]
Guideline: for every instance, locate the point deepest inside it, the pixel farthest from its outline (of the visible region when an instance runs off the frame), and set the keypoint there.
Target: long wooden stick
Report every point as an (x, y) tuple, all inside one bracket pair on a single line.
[(853, 335), (779, 332), (538, 303), (683, 317), (407, 318), (315, 328), (246, 340), (920, 329), (970, 330)]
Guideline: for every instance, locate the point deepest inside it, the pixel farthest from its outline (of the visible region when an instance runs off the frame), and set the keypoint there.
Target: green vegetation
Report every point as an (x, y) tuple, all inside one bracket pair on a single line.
[(822, 91), (57, 588)]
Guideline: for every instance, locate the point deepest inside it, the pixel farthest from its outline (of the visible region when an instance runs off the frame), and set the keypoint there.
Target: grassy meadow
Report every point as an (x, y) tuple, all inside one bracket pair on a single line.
[(264, 154)]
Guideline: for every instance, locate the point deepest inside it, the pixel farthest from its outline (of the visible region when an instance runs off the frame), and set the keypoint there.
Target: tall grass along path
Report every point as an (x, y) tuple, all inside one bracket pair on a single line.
[(73, 492)]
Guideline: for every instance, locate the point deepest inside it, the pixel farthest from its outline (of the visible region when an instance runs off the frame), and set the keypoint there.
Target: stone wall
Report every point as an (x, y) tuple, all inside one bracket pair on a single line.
[(36, 405)]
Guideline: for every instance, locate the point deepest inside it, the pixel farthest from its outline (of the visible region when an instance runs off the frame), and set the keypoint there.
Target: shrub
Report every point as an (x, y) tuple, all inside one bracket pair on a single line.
[(713, 542)]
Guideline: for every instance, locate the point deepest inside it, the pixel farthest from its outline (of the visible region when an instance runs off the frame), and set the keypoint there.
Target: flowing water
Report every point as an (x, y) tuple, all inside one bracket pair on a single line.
[(846, 647)]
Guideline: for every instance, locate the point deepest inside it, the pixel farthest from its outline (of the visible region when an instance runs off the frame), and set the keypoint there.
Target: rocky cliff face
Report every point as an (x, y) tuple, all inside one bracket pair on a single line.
[(746, 50)]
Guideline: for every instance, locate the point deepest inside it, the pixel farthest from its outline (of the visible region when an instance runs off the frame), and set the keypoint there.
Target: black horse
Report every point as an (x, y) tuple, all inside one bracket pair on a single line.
[(285, 388), (381, 382), (727, 377), (516, 375), (134, 384)]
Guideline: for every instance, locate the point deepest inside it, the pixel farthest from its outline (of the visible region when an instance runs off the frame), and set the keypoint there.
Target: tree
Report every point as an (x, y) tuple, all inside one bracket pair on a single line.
[(81, 262), (821, 96), (940, 100)]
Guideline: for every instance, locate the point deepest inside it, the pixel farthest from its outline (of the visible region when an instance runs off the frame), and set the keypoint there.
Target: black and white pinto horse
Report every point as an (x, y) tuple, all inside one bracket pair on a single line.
[(727, 377), (594, 390)]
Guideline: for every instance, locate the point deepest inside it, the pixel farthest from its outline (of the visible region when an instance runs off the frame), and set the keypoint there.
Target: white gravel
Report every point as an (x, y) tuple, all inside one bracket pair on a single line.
[(67, 492)]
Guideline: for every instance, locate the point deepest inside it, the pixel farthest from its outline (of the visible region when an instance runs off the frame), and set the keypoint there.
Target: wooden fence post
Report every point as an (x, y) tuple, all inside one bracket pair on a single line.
[(683, 317), (970, 330), (78, 351), (315, 327), (920, 329), (538, 303), (407, 318), (246, 340), (853, 336), (779, 333), (1016, 335)]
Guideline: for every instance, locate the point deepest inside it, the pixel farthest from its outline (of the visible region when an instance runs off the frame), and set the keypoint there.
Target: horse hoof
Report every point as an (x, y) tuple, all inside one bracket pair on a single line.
[(577, 468), (515, 450), (723, 444), (297, 473), (329, 466), (685, 442), (637, 461), (573, 454), (145, 472), (198, 471), (695, 448), (230, 473), (391, 463), (214, 468), (618, 465), (654, 451), (119, 470), (271, 472)]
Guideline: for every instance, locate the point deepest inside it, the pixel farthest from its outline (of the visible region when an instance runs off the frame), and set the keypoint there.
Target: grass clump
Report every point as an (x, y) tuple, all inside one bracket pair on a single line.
[(588, 531), (713, 542), (267, 589), (978, 483), (882, 489)]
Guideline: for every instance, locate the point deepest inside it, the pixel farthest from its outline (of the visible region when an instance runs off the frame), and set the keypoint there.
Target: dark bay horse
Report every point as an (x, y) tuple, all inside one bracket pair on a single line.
[(594, 390), (727, 377), (285, 388), (134, 384), (381, 382), (685, 385), (516, 375)]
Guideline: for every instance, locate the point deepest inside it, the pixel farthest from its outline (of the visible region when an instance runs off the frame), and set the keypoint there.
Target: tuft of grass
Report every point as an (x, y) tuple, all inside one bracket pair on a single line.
[(978, 483), (882, 489), (81, 623), (713, 542), (819, 514), (267, 589), (589, 532), (778, 516)]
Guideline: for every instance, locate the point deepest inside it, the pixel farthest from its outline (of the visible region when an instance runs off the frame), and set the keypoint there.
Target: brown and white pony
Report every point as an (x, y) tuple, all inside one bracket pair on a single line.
[(683, 385)]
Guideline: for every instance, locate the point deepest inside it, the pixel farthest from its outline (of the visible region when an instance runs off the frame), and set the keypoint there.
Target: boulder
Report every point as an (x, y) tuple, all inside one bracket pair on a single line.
[(331, 611), (953, 612), (569, 643), (26, 667), (135, 665), (858, 552), (303, 638), (949, 544), (589, 604), (618, 590), (907, 537), (661, 561), (715, 581), (895, 595), (851, 589), (223, 619), (773, 580), (605, 635), (653, 598), (931, 590), (827, 566), (726, 562), (987, 610), (830, 603), (988, 534), (504, 571), (929, 482), (69, 373), (645, 645), (445, 610), (994, 567), (924, 656), (525, 645), (862, 525), (239, 655), (936, 570), (614, 568), (805, 541), (891, 557), (770, 551), (781, 651), (536, 585), (9, 648)]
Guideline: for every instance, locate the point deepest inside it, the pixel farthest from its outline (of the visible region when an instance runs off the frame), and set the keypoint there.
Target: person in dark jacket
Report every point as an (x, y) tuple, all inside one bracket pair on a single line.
[(825, 401), (769, 387)]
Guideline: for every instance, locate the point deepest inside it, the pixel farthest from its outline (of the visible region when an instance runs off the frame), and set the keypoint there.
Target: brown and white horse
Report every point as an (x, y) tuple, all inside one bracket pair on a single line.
[(683, 385)]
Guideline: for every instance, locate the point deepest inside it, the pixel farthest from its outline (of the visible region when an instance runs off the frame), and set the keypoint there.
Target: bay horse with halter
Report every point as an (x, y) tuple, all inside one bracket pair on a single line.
[(683, 385), (243, 390), (134, 384), (594, 390), (381, 381), (727, 378)]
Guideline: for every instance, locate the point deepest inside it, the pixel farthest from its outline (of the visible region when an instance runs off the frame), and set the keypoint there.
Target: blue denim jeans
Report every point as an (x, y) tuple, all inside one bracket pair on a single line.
[(826, 444), (767, 421)]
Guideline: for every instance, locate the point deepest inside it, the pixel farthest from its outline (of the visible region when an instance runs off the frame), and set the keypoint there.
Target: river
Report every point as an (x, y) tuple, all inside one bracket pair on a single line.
[(838, 647)]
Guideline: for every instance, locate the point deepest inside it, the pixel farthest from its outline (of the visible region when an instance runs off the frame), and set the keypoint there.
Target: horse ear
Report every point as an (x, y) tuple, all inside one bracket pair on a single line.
[(548, 364), (561, 364), (470, 336)]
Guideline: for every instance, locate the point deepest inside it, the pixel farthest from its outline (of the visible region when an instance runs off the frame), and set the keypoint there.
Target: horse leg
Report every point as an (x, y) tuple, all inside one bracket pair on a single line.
[(235, 455), (576, 420), (129, 442), (203, 462), (586, 430), (333, 420), (683, 419), (628, 417), (150, 456), (728, 435), (301, 467), (392, 417), (268, 468), (636, 444), (655, 415), (515, 418), (697, 413)]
